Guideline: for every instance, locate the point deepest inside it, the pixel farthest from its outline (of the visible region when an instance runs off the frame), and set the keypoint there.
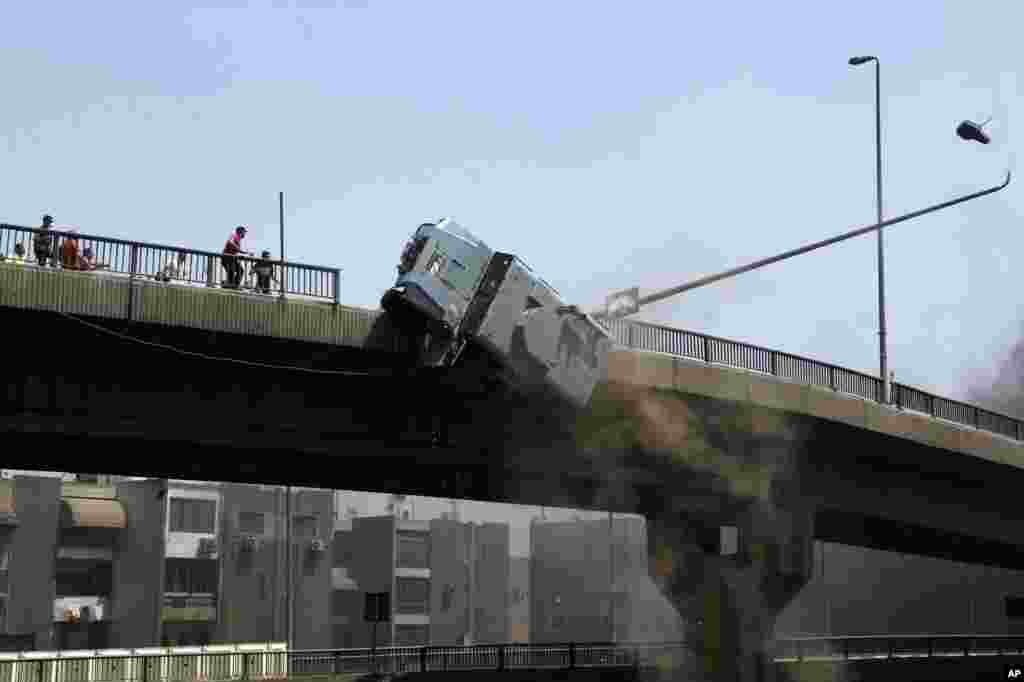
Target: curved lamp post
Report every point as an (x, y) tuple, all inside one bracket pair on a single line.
[(623, 304)]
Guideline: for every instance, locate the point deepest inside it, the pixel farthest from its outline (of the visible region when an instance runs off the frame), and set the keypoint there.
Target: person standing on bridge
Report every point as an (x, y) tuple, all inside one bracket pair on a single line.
[(229, 259), (263, 272), (43, 242)]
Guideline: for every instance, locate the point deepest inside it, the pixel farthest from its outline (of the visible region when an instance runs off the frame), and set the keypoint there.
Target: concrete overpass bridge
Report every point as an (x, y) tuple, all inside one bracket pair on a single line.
[(187, 380)]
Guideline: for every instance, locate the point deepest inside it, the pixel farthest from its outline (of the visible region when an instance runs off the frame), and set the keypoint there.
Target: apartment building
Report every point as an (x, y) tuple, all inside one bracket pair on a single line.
[(448, 580), (229, 574), (62, 578), (87, 562)]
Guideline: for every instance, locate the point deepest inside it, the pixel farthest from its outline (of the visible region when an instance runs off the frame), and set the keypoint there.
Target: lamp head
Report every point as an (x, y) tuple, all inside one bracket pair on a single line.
[(972, 132)]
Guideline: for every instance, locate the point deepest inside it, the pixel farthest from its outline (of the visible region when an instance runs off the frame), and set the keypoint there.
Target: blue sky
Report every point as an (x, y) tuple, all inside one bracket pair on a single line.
[(609, 144)]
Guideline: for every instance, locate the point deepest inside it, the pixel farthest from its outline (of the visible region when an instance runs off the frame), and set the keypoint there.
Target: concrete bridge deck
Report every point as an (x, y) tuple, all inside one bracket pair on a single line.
[(650, 355)]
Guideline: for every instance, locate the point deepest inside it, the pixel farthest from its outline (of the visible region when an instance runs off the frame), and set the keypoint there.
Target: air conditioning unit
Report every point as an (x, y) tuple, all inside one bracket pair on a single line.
[(207, 548), (318, 546), (250, 543)]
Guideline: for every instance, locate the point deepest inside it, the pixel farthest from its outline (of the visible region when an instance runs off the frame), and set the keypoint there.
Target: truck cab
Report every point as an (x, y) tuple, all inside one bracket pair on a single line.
[(439, 269)]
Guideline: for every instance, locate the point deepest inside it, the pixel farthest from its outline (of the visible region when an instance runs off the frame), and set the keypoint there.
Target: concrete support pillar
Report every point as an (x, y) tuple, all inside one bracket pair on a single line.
[(729, 603)]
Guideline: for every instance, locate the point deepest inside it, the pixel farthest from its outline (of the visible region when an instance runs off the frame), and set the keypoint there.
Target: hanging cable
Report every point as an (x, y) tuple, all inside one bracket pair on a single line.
[(203, 356)]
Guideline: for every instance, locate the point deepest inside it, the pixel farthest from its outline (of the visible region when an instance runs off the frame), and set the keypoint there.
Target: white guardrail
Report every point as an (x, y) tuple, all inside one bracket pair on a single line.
[(151, 664)]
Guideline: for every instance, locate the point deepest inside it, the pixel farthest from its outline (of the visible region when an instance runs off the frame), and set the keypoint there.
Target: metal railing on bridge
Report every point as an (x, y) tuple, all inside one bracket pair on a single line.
[(142, 260), (714, 350), (230, 662), (888, 647)]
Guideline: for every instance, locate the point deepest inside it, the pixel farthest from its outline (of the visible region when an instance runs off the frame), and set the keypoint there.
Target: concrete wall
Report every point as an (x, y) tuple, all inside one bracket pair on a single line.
[(492, 582), (570, 560), (372, 543), (138, 566), (449, 570), (519, 599), (252, 582), (33, 555), (346, 600), (570, 582), (857, 591), (312, 571)]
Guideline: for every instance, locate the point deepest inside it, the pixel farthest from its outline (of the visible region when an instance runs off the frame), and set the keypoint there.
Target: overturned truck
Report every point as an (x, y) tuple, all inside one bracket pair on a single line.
[(461, 304)]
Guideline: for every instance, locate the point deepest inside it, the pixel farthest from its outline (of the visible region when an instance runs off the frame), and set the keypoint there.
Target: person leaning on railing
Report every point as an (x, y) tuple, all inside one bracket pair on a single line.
[(88, 261), (176, 266), (264, 273), (229, 258)]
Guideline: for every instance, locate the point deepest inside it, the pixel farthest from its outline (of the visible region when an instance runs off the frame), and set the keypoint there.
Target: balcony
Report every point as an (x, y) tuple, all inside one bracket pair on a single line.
[(413, 596), (190, 607), (413, 557)]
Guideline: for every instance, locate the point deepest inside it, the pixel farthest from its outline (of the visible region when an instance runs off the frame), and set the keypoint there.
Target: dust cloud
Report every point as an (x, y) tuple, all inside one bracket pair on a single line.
[(1004, 393), (679, 440)]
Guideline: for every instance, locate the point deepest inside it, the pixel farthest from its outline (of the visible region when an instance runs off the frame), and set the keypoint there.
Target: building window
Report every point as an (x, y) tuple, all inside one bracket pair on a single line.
[(83, 578), (192, 516), (3, 613), (413, 550), (251, 523), (191, 576), (413, 595)]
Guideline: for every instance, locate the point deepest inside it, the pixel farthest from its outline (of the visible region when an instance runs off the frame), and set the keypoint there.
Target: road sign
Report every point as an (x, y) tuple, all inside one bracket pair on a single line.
[(378, 607)]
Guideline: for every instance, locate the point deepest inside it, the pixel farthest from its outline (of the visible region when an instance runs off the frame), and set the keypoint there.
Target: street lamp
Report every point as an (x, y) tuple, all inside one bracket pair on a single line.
[(968, 131), (882, 359)]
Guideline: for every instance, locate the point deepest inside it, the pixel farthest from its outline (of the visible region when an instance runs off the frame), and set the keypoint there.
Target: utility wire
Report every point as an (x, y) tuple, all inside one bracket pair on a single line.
[(203, 356)]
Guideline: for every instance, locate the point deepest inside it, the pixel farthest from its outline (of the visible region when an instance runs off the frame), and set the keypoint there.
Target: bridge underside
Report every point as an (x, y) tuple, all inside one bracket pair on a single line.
[(79, 398)]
